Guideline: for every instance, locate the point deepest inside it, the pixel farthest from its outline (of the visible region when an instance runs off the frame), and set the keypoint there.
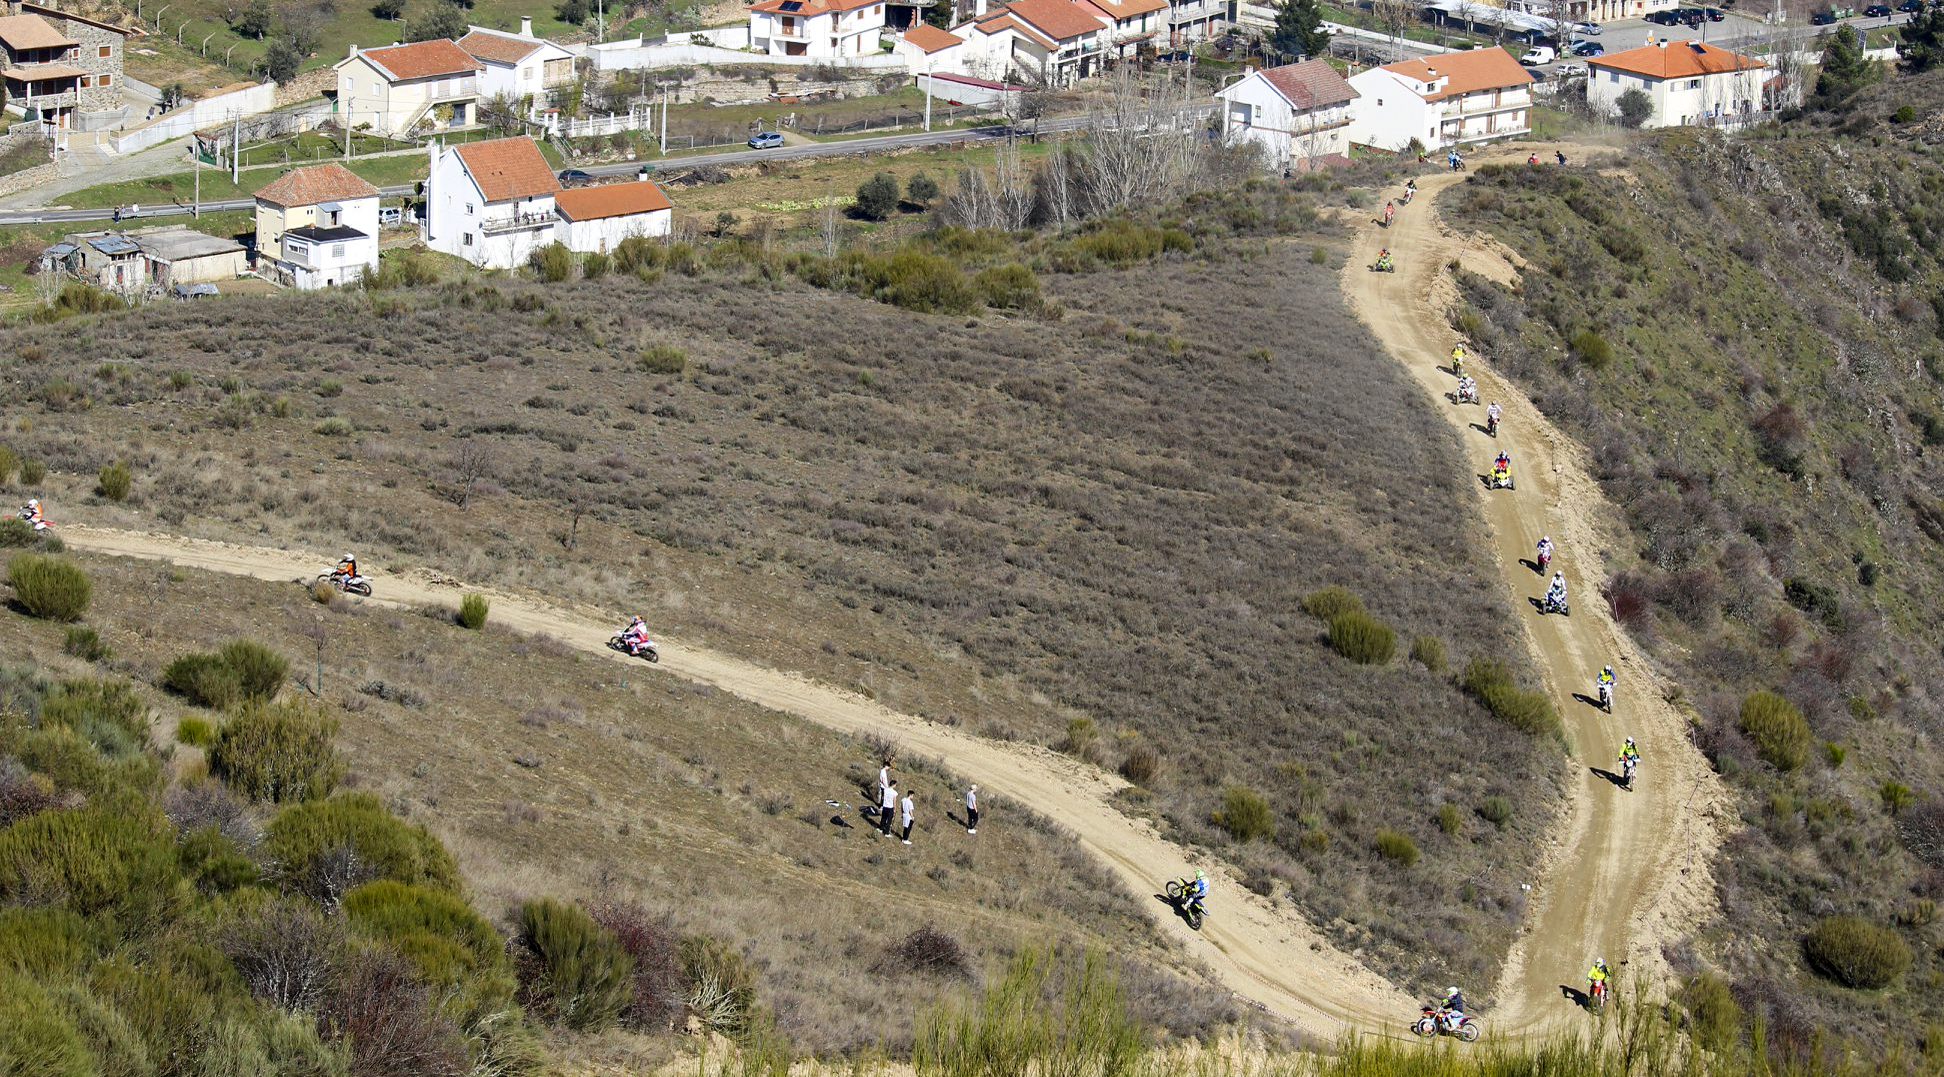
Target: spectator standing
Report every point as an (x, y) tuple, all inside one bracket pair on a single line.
[(884, 778), (888, 807), (972, 810), (907, 819)]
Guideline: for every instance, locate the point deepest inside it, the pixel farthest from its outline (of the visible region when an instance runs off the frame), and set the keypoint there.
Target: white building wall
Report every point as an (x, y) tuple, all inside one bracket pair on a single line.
[(1388, 113), (323, 266), (1679, 101), (1254, 112), (606, 233), (456, 217)]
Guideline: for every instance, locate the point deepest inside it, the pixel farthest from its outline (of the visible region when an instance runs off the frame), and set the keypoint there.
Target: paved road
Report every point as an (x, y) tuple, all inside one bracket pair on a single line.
[(878, 143)]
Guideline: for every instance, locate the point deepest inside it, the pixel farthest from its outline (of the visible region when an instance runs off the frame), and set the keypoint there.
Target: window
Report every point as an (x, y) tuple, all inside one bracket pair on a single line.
[(103, 80), (466, 241), (86, 81), (105, 51), (469, 209), (337, 250), (1694, 84)]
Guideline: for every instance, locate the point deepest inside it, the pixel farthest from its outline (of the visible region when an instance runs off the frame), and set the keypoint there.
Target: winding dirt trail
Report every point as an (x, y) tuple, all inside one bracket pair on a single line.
[(1628, 870)]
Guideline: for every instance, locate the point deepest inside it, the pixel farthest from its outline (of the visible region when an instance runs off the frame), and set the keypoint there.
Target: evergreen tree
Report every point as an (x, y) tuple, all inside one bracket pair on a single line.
[(1845, 69), (1299, 29), (1922, 41)]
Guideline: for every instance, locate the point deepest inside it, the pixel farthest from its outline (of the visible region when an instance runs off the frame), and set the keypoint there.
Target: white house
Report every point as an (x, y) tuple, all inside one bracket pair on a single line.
[(1298, 113), (1442, 100), (519, 66), (317, 226), (1052, 41), (1687, 82), (926, 49), (491, 203), (394, 88), (598, 218), (1130, 23), (816, 28)]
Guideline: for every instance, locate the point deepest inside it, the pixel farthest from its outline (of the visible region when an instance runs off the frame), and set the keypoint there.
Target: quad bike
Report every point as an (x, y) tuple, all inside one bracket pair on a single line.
[(350, 585), (1384, 265), (618, 642), (1181, 896), (1462, 396), (1502, 480), (1549, 604), (1432, 1023)]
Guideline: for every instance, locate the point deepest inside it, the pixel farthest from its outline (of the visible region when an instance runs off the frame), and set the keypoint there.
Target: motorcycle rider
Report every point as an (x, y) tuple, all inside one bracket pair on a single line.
[(1390, 210), (1492, 414), (635, 636), (1545, 550), (1606, 681), (1452, 1012), (1596, 976), (1197, 893), (1458, 359), (347, 568), (1629, 752), (31, 512), (1556, 594)]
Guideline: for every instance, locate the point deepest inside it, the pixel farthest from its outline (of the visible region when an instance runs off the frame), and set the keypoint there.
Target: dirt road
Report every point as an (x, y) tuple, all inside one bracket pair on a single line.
[(1629, 870)]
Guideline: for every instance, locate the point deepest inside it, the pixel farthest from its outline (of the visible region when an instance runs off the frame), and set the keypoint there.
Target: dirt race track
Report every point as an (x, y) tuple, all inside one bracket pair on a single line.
[(1627, 870)]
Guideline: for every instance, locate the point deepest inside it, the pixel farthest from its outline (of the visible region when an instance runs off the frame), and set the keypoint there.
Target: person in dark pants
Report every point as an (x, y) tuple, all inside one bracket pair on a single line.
[(1561, 154), (887, 808), (972, 810), (907, 819)]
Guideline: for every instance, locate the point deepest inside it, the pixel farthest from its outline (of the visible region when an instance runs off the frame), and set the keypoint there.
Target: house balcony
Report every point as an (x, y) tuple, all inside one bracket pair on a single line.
[(454, 90), (1469, 106), (1201, 11), (46, 102), (518, 222), (795, 32)]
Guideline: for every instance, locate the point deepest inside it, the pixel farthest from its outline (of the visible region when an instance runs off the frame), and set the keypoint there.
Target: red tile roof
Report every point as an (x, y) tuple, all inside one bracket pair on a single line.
[(1128, 9), (1057, 19), (508, 168), (1309, 84), (52, 12), (930, 38), (36, 72), (422, 60), (1002, 19), (499, 48), (611, 200), (312, 184), (808, 8), (31, 32), (1474, 69), (1677, 60)]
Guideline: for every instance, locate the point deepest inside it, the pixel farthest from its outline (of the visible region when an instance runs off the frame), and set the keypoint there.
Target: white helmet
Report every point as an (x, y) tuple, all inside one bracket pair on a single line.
[(347, 557), (33, 502), (1450, 991), (1545, 538)]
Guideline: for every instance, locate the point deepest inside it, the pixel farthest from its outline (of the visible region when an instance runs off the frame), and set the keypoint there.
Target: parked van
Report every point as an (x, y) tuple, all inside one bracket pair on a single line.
[(1539, 55), (390, 215)]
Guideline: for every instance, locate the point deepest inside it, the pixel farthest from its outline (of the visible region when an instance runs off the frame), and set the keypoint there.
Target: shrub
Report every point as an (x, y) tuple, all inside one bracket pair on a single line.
[(285, 950), (1397, 847), (334, 427), (1780, 733), (1855, 952), (46, 942), (50, 588), (662, 359), (1245, 815), (921, 189), (9, 463), (115, 481), (472, 611), (552, 263), (108, 714), (35, 1038), (877, 197), (928, 950), (1320, 256), (457, 952), (580, 976), (595, 265), (1489, 681), (83, 642), (93, 860), (326, 847), (1429, 652), (1496, 811), (1448, 818), (637, 253), (916, 280), (376, 1004), (203, 679), (16, 532), (1362, 638), (1009, 287), (1634, 107), (279, 752), (1896, 797), (22, 793), (1328, 602), (195, 731), (260, 671), (1712, 1011), (1141, 765), (722, 990), (32, 472), (1592, 349), (657, 952)]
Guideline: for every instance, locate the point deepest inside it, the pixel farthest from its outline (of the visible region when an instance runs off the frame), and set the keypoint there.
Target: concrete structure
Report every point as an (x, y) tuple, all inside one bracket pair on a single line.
[(1299, 114), (317, 227), (180, 256), (816, 28), (109, 259), (491, 203), (1443, 100), (1189, 21), (519, 66), (1686, 81), (599, 218), (393, 89), (213, 112)]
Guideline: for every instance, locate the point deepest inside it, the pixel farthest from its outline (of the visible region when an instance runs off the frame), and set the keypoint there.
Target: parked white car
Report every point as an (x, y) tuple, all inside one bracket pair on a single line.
[(1538, 56)]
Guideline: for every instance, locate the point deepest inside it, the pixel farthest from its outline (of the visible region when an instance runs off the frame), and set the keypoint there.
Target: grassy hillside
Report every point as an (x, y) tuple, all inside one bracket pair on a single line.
[(1093, 530), (1747, 335)]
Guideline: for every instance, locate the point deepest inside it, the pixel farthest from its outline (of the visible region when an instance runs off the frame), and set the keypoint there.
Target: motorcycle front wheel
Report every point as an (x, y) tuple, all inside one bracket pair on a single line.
[(1467, 1032)]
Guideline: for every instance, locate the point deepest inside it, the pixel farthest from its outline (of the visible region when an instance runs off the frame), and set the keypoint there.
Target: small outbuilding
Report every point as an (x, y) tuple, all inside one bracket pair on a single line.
[(599, 218), (182, 256)]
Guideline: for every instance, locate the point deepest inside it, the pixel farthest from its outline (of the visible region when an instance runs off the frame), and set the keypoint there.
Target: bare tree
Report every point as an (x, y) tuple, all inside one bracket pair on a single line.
[(286, 952), (502, 112), (831, 234), (472, 463), (1394, 15), (1012, 189)]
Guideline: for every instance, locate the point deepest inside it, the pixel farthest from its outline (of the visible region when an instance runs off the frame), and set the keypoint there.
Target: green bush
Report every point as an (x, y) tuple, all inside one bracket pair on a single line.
[(1490, 681), (1713, 1013), (1397, 847), (921, 189), (84, 642), (1362, 638), (1592, 349), (1328, 602), (115, 481), (307, 841), (1429, 652), (472, 611), (1780, 733), (637, 253), (877, 197), (108, 714), (1009, 287), (1122, 242), (70, 761), (46, 942), (9, 463), (280, 752), (1855, 952), (456, 951), (214, 862), (662, 359), (1896, 797), (916, 280), (32, 472), (95, 860), (1448, 818), (596, 265), (16, 532), (1245, 815), (582, 977), (36, 1039), (720, 981), (50, 588), (552, 263), (260, 671), (1496, 811), (204, 679)]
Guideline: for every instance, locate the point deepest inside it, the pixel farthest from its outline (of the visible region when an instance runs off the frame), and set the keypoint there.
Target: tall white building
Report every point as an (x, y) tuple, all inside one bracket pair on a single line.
[(1687, 82)]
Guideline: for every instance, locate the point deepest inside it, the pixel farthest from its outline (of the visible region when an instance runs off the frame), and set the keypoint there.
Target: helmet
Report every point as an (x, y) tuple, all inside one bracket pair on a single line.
[(1629, 740), (1545, 538), (1450, 991), (637, 620), (1608, 668), (1200, 874), (33, 501), (347, 557)]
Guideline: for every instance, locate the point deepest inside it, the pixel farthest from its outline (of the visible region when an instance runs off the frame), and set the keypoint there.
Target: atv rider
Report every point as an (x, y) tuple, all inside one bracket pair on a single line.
[(1502, 470), (1468, 388), (1384, 259), (1596, 978), (635, 636), (1546, 551), (1556, 594), (1452, 1011)]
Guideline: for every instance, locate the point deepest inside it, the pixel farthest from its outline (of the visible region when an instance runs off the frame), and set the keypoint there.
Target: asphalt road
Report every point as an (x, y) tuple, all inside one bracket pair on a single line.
[(904, 141)]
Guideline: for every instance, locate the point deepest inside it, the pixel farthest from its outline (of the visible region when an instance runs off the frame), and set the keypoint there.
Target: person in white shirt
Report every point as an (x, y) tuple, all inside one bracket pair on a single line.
[(972, 810), (907, 819), (887, 807)]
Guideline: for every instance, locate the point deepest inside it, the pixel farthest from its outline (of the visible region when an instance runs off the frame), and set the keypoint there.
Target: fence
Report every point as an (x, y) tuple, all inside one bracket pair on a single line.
[(207, 112), (641, 53)]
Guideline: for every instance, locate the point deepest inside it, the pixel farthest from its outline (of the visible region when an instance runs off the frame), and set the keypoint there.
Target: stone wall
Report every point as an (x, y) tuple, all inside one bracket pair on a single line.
[(306, 86), (16, 182), (103, 92)]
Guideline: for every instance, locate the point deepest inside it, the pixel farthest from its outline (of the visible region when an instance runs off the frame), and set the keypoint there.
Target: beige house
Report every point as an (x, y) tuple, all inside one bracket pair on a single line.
[(400, 87), (317, 226)]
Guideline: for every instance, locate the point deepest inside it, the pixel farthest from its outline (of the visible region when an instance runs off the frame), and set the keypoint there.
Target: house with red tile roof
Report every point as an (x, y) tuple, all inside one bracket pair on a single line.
[(1441, 101), (1130, 23), (1049, 41), (926, 48), (816, 28), (1688, 82), (317, 226), (494, 203), (394, 89), (519, 67), (598, 218), (1298, 114)]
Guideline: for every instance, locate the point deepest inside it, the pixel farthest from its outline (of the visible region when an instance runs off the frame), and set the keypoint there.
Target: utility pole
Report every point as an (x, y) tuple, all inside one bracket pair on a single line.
[(929, 87), (664, 125), (236, 143), (346, 124), (196, 206)]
